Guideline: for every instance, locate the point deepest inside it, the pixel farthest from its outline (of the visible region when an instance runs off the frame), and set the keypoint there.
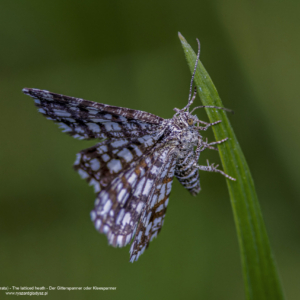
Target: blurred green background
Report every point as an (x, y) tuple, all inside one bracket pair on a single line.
[(127, 53)]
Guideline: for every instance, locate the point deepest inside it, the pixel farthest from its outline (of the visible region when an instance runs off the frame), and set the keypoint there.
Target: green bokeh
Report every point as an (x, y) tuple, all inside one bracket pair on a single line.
[(127, 53)]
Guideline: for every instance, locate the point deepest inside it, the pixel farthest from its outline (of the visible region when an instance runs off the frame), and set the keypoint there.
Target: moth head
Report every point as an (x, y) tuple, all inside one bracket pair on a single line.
[(185, 119)]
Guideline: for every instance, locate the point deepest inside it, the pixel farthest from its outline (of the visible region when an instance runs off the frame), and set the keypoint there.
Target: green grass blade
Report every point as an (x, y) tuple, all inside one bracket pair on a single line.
[(260, 274)]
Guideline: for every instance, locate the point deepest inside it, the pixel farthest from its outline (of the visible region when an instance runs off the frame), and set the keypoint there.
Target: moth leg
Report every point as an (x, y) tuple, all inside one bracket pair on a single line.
[(204, 145), (210, 145), (201, 146), (219, 142), (207, 125), (213, 168)]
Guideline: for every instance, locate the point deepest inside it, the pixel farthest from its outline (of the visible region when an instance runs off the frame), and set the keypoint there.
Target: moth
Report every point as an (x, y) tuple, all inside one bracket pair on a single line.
[(133, 165)]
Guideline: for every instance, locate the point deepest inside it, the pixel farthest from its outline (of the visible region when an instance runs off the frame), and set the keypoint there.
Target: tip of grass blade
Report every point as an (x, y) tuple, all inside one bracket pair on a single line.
[(181, 37)]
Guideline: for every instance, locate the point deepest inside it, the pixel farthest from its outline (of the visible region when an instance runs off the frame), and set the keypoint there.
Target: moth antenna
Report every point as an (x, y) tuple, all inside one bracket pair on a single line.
[(196, 64)]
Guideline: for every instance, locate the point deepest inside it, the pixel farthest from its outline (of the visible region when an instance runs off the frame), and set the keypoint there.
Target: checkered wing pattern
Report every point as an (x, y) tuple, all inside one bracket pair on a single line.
[(131, 171), (84, 119), (102, 163), (153, 216), (187, 173)]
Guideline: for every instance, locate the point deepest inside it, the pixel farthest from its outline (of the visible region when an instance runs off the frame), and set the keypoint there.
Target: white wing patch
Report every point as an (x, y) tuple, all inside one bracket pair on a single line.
[(114, 166)]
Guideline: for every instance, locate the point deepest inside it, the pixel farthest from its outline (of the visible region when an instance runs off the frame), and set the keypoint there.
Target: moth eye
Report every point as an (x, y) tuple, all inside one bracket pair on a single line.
[(190, 121)]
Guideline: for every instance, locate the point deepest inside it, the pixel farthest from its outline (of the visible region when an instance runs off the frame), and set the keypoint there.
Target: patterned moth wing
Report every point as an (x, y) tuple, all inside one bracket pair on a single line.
[(85, 119), (122, 198), (153, 216), (187, 173), (100, 164), (122, 168)]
